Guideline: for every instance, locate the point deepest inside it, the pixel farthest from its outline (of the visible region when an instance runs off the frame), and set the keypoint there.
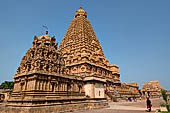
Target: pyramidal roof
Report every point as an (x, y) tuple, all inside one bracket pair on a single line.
[(80, 44)]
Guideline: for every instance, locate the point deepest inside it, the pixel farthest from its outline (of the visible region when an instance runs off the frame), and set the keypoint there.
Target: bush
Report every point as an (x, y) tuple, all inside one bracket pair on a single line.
[(162, 104), (165, 97), (7, 85)]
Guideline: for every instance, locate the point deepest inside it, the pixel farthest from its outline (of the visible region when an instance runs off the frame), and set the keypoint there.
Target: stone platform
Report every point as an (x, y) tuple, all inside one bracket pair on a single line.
[(64, 106)]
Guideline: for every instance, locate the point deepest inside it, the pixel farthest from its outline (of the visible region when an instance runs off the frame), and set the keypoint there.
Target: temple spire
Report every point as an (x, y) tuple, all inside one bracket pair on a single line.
[(80, 43)]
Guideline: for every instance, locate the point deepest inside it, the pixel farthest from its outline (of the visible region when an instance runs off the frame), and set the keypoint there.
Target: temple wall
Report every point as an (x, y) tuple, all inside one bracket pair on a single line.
[(89, 89), (99, 90), (151, 89), (59, 108), (94, 90)]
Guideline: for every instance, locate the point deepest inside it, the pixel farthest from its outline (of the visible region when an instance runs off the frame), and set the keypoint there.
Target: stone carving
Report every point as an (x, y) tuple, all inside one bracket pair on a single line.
[(43, 56), (81, 44), (83, 55), (151, 89)]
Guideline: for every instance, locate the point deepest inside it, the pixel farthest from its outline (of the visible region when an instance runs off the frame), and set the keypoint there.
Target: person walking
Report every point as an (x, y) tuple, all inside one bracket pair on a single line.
[(149, 105)]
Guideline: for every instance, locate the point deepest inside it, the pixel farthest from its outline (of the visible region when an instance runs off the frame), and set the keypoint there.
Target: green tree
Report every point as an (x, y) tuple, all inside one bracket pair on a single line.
[(7, 85), (165, 97)]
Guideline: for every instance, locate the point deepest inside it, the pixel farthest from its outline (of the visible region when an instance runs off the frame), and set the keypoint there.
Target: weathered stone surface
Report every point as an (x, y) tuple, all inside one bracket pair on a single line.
[(42, 57), (61, 108), (152, 89), (129, 90)]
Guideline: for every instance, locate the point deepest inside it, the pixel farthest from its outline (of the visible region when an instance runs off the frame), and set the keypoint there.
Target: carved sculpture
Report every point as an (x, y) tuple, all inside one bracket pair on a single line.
[(151, 89), (43, 56)]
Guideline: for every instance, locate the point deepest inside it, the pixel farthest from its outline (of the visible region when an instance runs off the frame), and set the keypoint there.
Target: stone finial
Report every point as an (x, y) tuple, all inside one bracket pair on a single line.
[(81, 12)]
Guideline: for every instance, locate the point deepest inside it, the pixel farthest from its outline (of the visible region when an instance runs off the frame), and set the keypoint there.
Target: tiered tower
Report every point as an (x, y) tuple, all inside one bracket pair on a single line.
[(82, 52), (40, 79), (152, 89), (84, 57)]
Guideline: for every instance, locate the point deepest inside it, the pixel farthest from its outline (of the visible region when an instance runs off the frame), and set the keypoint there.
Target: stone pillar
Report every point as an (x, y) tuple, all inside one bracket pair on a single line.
[(35, 84), (43, 85), (25, 88), (56, 88), (28, 85), (49, 85), (15, 86), (93, 92), (39, 85), (65, 86), (59, 86), (89, 89)]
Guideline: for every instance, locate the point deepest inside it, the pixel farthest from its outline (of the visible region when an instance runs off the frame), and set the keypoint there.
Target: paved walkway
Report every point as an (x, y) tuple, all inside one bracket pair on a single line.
[(127, 107)]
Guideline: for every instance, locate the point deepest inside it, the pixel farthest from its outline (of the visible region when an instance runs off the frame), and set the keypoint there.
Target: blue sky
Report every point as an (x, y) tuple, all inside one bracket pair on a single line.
[(134, 34)]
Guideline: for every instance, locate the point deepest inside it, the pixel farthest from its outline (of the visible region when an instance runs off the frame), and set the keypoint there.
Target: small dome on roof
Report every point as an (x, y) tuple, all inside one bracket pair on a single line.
[(47, 37), (80, 12)]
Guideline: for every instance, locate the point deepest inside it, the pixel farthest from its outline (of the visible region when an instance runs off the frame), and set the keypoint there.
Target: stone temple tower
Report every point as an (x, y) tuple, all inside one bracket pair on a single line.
[(84, 57)]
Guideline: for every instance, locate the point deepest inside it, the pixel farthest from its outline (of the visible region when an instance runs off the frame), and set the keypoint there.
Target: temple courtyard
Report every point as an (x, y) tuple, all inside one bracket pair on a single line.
[(121, 107), (127, 107)]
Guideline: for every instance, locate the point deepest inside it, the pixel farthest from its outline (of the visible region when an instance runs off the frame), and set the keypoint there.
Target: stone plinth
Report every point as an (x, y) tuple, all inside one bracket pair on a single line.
[(62, 106)]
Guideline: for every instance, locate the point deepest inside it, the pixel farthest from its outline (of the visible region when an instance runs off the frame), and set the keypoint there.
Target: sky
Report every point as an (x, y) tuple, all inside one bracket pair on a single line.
[(134, 34)]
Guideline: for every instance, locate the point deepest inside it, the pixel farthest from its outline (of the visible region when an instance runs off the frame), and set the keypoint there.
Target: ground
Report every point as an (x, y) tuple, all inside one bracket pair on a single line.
[(123, 107), (127, 107)]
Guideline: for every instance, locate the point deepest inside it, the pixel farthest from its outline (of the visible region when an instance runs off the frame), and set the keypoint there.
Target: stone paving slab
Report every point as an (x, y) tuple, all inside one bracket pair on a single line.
[(113, 111), (127, 107)]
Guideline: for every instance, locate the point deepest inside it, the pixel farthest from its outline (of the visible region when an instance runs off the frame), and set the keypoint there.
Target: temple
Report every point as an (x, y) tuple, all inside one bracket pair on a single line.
[(75, 75), (152, 89)]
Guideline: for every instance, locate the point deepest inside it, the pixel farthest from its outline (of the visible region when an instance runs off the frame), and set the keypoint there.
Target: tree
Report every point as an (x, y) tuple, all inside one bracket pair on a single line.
[(7, 85), (165, 97)]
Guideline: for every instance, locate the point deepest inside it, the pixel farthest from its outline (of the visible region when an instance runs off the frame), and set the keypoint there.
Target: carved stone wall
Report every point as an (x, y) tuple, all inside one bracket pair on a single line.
[(82, 51), (128, 90), (151, 89), (41, 76), (42, 57)]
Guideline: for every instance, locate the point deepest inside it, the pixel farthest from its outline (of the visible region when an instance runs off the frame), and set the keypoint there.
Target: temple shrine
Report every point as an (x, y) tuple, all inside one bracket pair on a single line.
[(76, 75), (152, 89)]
